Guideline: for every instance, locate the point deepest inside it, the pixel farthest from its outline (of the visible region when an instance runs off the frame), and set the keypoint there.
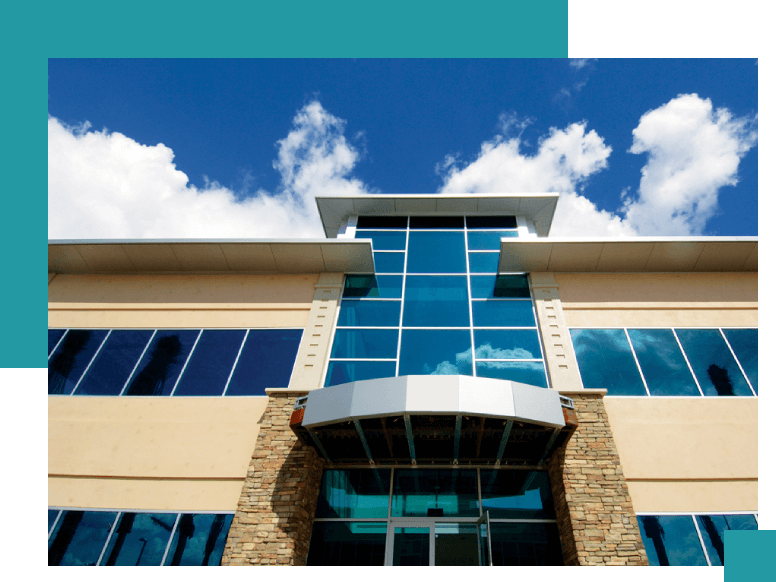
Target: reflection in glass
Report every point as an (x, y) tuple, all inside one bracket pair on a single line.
[(606, 361), (500, 286), (54, 335), (411, 546), (713, 364), (389, 262), (517, 494), (503, 314), (341, 372), (354, 493), (483, 262), (211, 363), (347, 544), (744, 344), (386, 240), (436, 301), (266, 361), (438, 492), (525, 372), (162, 363), (52, 517), (488, 240), (139, 539), (369, 313), (506, 344), (713, 529), (671, 540), (365, 343), (435, 352), (199, 540), (373, 286), (115, 362), (455, 544), (436, 252), (78, 538), (662, 363), (71, 358), (525, 544)]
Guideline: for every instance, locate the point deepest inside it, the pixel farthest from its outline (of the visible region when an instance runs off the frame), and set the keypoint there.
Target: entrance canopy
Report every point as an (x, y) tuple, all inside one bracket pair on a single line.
[(434, 419)]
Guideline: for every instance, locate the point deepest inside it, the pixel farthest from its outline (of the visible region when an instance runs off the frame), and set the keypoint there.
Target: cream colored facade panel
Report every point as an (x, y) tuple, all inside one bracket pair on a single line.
[(176, 318), (693, 496), (659, 317), (177, 437), (144, 494)]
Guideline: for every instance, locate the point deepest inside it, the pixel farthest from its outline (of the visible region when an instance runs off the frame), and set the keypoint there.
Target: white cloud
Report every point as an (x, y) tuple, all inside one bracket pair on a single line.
[(106, 185), (578, 64)]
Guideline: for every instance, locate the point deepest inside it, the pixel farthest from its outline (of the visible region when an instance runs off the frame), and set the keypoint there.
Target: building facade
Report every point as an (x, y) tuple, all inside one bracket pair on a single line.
[(437, 382)]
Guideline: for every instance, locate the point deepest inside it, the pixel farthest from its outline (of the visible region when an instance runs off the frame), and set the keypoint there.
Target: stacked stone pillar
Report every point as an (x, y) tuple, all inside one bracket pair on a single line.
[(274, 517), (595, 514)]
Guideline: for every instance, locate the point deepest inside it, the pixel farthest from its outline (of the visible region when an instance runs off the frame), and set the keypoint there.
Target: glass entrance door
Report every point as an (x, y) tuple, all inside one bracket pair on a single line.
[(428, 542)]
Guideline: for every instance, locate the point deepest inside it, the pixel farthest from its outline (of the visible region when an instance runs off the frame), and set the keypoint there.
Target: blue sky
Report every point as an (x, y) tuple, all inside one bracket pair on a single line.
[(248, 143)]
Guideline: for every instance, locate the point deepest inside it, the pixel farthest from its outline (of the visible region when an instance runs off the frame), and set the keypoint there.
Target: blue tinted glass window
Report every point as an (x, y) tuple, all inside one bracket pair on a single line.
[(371, 286), (435, 352), (266, 361), (517, 494), (453, 491), (524, 372), (365, 343), (115, 362), (500, 286), (606, 361), (436, 252), (506, 344), (436, 301), (369, 313), (384, 240), (54, 335), (71, 358), (713, 364), (139, 539), (488, 240), (483, 262), (713, 529), (389, 262), (347, 544), (354, 493), (199, 540), (671, 540), (210, 363), (503, 314), (662, 363), (52, 517), (162, 363), (744, 344), (341, 372), (78, 538)]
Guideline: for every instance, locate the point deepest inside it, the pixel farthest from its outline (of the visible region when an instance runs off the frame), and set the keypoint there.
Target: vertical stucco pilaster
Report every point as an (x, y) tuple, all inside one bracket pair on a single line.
[(309, 368), (556, 340)]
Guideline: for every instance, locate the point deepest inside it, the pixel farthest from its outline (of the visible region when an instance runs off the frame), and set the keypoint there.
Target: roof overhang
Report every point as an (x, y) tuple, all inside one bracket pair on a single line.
[(538, 208), (632, 255), (210, 256), (427, 419)]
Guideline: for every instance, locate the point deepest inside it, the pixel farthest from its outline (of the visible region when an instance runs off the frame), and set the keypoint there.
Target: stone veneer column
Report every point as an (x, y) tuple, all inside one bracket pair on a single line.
[(274, 516), (594, 509)]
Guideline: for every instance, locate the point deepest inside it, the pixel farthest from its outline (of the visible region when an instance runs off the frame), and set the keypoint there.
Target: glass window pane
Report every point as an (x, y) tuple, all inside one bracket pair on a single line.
[(441, 222), (266, 361), (713, 364), (115, 362), (489, 240), (671, 540), (199, 540), (662, 363), (744, 344), (342, 372), (365, 343), (491, 222), (436, 252), (483, 262), (389, 262), (162, 363), (369, 313), (525, 372), (525, 544), (348, 544), (382, 222), (384, 240), (54, 336), (380, 286), (435, 352), (139, 539), (71, 358), (606, 361), (498, 286), (506, 344), (79, 537), (503, 314), (435, 492), (354, 493), (436, 301), (713, 529), (455, 544), (211, 363), (517, 494), (52, 517)]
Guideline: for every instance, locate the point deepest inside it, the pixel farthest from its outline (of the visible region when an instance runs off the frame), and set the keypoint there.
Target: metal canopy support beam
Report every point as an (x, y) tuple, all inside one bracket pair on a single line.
[(318, 444), (364, 444), (457, 439), (551, 442), (388, 438), (410, 441), (504, 439)]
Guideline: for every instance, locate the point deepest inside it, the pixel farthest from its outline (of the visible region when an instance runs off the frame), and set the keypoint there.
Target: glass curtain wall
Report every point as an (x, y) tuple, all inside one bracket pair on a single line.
[(436, 305)]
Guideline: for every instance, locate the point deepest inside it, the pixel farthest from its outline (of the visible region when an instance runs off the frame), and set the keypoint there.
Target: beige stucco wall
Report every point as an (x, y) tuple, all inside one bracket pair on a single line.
[(150, 453), (180, 301), (687, 454)]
